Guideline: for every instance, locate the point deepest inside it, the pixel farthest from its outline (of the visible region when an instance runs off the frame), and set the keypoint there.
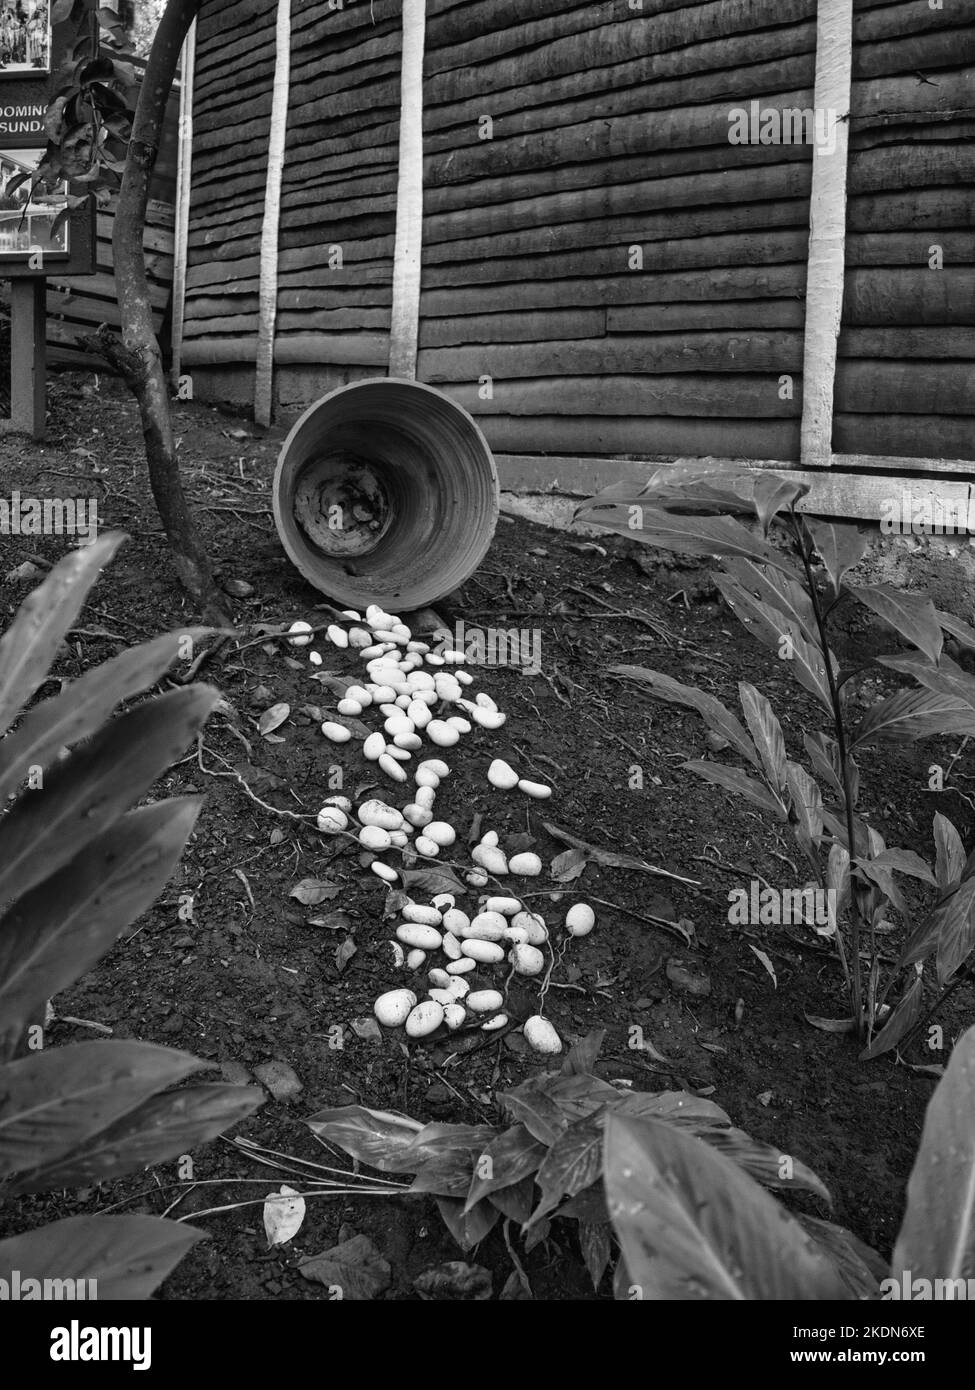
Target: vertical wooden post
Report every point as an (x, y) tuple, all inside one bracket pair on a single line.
[(28, 357), (827, 230), (184, 181), (268, 292), (407, 254)]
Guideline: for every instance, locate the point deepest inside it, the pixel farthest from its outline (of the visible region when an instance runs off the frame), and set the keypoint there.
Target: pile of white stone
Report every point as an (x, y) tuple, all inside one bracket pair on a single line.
[(414, 688)]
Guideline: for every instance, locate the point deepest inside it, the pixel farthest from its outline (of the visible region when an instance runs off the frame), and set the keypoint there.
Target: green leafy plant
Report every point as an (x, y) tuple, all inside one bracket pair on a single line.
[(89, 118), (784, 578), (76, 867), (666, 1189), (693, 1225)]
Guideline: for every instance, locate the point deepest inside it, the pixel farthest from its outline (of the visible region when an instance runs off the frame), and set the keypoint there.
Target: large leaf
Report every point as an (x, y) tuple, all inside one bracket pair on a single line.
[(378, 1138), (837, 828), (824, 756), (904, 861), (693, 1226), (86, 704), (28, 647), (596, 1248), (127, 1256), (962, 632), (468, 1228), (950, 852), (676, 1107), (840, 547), (580, 1060), (763, 1162), (445, 1157), (766, 732), (949, 927), (57, 932), (910, 615), (85, 794), (436, 1142), (914, 714), (838, 878), (778, 632), (571, 1165), (513, 1155), (807, 801), (156, 1131), (773, 494), (947, 678), (50, 1102), (734, 780), (716, 716), (515, 1202), (687, 535), (546, 1105), (954, 922), (777, 592), (860, 1267), (901, 1021), (937, 1238), (693, 487)]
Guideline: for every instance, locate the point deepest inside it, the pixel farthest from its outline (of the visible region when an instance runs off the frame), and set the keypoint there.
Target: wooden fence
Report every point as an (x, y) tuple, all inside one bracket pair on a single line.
[(605, 274)]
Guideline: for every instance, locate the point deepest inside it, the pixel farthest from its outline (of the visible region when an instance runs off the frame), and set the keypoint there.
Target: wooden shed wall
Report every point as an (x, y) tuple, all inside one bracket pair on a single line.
[(610, 130), (340, 168), (906, 377)]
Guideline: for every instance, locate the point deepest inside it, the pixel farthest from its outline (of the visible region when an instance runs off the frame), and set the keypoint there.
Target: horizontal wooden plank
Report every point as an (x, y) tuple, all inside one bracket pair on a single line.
[(641, 435), (688, 396), (775, 247), (922, 209), (932, 343), (362, 349), (721, 283), (735, 314), (775, 351), (909, 297), (908, 388), (912, 435), (527, 327), (909, 164), (907, 249)]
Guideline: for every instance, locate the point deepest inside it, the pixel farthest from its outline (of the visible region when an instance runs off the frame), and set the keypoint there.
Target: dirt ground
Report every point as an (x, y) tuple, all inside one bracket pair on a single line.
[(252, 979)]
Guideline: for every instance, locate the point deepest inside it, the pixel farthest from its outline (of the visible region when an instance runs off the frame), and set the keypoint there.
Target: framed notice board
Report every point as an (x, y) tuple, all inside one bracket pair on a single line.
[(31, 50)]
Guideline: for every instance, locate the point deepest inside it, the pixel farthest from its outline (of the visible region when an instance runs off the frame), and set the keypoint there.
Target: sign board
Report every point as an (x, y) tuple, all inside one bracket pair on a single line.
[(31, 49)]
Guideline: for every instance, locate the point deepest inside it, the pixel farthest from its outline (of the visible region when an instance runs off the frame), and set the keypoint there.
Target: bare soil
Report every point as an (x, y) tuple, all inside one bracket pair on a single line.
[(250, 979)]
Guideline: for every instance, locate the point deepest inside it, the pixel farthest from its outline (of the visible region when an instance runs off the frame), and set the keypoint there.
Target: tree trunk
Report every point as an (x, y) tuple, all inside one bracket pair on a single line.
[(138, 356)]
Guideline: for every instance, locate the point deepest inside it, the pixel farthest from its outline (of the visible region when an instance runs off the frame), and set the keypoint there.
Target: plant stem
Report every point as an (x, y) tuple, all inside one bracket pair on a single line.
[(856, 976)]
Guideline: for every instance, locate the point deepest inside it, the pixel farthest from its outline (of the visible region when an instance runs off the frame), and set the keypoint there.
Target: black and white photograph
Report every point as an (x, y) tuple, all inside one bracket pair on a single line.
[(25, 37), (487, 675), (28, 214)]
